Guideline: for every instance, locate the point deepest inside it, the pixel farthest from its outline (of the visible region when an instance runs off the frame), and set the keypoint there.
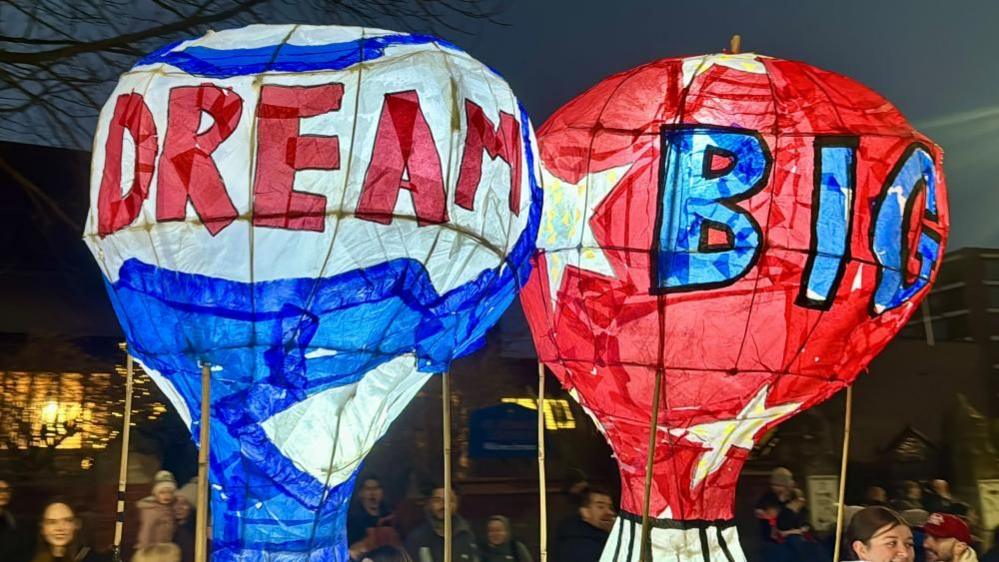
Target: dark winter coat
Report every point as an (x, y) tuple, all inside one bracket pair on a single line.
[(578, 541), (425, 545)]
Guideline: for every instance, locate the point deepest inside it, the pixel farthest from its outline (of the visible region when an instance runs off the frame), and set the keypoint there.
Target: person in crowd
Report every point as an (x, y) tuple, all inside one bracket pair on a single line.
[(993, 553), (426, 542), (916, 518), (370, 523), (500, 546), (13, 545), (795, 530), (581, 539), (793, 518), (939, 500), (184, 536), (768, 509), (969, 515), (387, 553), (162, 512), (58, 539), (910, 496), (770, 505), (878, 534), (948, 537), (161, 552), (875, 495)]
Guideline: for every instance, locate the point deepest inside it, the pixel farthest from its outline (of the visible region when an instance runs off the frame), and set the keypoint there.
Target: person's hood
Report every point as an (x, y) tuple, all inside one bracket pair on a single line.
[(504, 548)]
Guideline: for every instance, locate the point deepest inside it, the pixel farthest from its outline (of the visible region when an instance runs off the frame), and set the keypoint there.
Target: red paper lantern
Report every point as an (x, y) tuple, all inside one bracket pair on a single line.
[(755, 228)]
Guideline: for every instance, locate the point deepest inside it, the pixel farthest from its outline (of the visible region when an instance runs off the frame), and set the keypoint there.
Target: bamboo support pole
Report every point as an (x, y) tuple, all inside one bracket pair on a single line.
[(542, 485), (446, 407), (201, 529), (842, 472), (126, 431), (653, 430)]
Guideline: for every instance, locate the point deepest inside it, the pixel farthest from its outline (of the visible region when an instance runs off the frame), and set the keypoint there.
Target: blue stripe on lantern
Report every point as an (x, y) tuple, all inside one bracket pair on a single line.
[(283, 57)]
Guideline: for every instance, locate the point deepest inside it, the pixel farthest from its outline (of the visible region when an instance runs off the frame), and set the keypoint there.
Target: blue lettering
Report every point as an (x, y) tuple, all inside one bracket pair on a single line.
[(889, 236), (832, 220), (698, 199)]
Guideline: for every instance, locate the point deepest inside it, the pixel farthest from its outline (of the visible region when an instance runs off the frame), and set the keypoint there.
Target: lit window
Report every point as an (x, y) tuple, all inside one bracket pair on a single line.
[(558, 414)]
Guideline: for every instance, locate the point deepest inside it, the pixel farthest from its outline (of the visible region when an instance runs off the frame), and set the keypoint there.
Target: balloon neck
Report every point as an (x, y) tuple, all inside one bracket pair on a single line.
[(673, 539)]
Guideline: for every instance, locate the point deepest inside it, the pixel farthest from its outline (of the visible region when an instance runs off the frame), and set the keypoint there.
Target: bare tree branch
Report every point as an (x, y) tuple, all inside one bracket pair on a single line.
[(60, 58), (126, 39)]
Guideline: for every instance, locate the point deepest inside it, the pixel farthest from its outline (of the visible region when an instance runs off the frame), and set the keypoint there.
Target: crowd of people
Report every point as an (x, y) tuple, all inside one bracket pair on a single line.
[(921, 523), (918, 524), (165, 532), (376, 534)]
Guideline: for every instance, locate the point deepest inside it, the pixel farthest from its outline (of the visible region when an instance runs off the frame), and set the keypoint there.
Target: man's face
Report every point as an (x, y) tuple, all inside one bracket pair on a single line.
[(598, 511), (58, 525), (436, 504), (942, 549), (5, 492), (371, 494)]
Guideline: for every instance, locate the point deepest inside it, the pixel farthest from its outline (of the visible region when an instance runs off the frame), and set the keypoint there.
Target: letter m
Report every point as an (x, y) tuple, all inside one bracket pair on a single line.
[(503, 142)]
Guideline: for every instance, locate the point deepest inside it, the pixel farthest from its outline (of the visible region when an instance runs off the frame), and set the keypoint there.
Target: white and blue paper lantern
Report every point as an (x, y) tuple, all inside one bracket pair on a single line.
[(326, 216)]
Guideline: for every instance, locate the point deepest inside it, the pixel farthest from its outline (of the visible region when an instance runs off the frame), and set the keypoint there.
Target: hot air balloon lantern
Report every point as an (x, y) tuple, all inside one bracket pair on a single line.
[(754, 231), (324, 215)]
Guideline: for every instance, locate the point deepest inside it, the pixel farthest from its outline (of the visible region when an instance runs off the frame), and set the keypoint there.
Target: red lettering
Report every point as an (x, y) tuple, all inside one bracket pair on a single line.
[(114, 211), (482, 135), (282, 150), (187, 170), (404, 156)]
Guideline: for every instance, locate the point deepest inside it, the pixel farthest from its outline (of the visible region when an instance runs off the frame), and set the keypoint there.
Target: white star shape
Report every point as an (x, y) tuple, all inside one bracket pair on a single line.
[(746, 62), (565, 231), (720, 436)]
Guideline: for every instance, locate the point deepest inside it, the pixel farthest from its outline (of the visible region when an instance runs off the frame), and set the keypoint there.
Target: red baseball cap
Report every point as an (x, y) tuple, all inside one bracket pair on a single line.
[(946, 526)]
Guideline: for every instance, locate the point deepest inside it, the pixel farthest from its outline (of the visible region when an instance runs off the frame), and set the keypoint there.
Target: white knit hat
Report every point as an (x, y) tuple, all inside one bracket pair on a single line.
[(164, 479)]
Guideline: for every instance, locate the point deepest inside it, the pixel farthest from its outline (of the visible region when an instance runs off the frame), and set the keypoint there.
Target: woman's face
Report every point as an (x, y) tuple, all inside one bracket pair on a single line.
[(496, 533), (891, 543), (164, 495), (58, 525)]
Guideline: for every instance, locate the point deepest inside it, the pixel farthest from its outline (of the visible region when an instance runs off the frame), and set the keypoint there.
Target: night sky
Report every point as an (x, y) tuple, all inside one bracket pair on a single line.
[(934, 60)]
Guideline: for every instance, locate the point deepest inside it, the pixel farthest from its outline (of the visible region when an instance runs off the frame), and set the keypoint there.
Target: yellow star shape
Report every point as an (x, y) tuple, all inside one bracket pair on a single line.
[(565, 232), (720, 436), (746, 62)]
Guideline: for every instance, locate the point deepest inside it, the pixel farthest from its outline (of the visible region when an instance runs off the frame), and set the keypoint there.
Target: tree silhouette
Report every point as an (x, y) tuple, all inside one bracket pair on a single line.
[(59, 59)]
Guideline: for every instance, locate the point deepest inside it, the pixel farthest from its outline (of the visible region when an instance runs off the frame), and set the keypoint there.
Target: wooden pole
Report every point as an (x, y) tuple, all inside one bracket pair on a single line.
[(446, 405), (734, 44), (542, 485), (653, 430), (842, 472), (201, 530), (119, 523)]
